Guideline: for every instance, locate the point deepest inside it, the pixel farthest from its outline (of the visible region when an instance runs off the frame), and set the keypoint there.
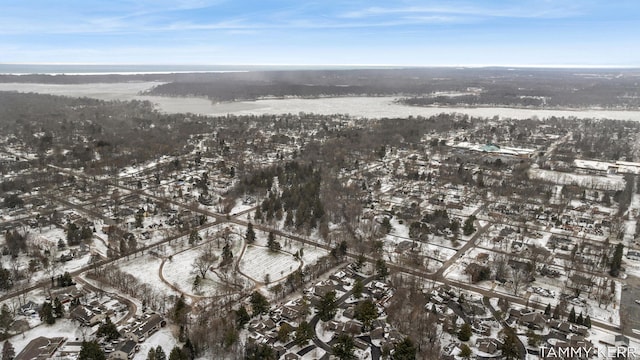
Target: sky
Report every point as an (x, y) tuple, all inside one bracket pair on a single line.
[(353, 32)]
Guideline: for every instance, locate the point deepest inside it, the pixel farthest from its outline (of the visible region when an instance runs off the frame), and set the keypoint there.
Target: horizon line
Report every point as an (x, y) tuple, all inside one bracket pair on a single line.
[(526, 66)]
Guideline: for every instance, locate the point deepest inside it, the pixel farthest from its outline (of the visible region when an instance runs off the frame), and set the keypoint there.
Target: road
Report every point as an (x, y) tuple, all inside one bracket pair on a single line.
[(471, 243), (438, 276), (314, 321), (505, 326), (131, 306)]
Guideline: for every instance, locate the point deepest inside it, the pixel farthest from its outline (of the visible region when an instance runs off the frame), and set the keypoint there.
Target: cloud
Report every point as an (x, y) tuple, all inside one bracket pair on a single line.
[(524, 9)]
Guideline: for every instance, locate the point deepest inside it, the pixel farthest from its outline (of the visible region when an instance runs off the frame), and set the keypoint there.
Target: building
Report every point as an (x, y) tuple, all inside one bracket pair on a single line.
[(88, 315), (124, 350), (40, 348), (150, 325)]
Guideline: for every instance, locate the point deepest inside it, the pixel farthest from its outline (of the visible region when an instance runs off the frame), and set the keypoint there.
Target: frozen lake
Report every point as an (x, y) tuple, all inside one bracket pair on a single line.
[(369, 107)]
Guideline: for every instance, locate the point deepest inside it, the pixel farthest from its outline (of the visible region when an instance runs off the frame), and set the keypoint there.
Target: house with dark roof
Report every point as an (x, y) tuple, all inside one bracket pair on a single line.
[(150, 325), (322, 289), (488, 345), (88, 315), (533, 320), (124, 350), (40, 348)]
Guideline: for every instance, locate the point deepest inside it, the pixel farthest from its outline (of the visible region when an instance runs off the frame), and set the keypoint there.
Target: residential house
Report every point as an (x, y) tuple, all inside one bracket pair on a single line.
[(40, 348), (533, 320), (150, 325), (88, 315), (124, 350), (360, 344), (488, 345)]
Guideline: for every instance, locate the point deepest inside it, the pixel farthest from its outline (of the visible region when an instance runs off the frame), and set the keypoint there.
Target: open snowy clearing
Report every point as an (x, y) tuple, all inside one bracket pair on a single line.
[(103, 91), (259, 261), (145, 268), (609, 182)]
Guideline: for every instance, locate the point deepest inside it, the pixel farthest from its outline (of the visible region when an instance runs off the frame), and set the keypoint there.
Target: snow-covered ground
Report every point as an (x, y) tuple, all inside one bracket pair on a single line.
[(146, 270), (163, 337), (369, 107), (259, 261), (609, 182)]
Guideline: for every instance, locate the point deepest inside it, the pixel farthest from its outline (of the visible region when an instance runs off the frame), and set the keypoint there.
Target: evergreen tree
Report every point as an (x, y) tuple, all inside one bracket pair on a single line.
[(360, 262), (556, 312), (242, 317), (304, 333), (580, 319), (160, 354), (46, 313), (366, 312), (283, 332), (259, 303), (381, 269), (587, 321), (465, 351), (259, 352), (288, 220), (510, 350), (109, 330), (139, 218), (533, 339), (194, 237), (65, 280), (250, 237), (90, 350), (386, 225), (151, 355), (328, 306), (572, 315), (547, 310), (468, 228), (465, 332), (258, 215), (616, 261), (180, 310), (342, 248), (8, 351), (189, 350), (6, 319), (404, 350), (357, 289), (177, 354), (58, 309), (272, 244), (343, 348), (454, 226)]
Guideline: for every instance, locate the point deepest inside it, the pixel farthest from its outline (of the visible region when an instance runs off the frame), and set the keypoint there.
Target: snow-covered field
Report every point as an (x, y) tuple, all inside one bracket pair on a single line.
[(111, 91), (369, 107), (259, 261), (145, 268), (609, 182)]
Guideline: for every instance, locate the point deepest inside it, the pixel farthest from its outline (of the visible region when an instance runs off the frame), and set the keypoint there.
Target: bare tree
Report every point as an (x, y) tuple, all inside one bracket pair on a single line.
[(206, 258), (500, 267), (519, 277)]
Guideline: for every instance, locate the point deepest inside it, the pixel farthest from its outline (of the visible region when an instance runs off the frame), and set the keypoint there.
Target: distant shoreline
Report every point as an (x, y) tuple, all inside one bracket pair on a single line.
[(16, 69), (365, 106), (79, 70)]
